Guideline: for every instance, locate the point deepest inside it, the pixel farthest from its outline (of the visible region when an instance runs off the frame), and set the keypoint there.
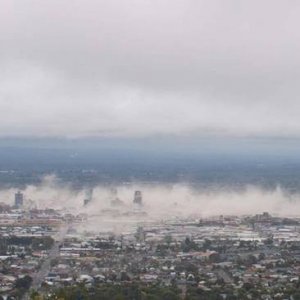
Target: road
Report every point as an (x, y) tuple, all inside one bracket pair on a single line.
[(39, 277)]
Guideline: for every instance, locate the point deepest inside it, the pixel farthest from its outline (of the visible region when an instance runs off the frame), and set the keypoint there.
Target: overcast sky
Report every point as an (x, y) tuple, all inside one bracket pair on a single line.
[(146, 67)]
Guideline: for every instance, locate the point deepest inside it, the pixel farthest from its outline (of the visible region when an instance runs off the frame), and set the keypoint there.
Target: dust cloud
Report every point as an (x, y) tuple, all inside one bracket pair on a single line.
[(159, 201)]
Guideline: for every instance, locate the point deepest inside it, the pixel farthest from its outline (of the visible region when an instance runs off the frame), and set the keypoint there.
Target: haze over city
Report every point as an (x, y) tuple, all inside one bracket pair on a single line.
[(149, 150), (193, 93)]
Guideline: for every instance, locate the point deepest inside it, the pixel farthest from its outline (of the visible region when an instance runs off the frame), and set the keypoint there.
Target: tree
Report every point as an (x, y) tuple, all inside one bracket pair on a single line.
[(296, 296), (23, 283), (189, 245)]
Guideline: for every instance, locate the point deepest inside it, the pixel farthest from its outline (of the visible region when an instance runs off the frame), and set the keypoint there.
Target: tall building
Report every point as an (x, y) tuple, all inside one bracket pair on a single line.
[(86, 202), (88, 196), (138, 198), (19, 199)]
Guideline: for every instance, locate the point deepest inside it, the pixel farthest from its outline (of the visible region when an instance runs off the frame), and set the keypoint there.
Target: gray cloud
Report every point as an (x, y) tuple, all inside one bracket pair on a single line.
[(145, 67)]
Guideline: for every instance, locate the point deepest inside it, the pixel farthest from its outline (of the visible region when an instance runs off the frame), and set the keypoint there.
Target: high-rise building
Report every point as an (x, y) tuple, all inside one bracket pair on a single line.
[(138, 198), (19, 199), (86, 202), (88, 196)]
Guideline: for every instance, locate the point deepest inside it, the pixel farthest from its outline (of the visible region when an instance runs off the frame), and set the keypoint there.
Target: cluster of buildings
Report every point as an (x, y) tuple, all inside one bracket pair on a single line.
[(223, 257), (257, 257), (251, 257), (115, 201)]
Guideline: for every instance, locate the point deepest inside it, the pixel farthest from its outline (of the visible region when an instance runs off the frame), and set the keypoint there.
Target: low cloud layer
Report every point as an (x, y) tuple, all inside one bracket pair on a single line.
[(136, 68)]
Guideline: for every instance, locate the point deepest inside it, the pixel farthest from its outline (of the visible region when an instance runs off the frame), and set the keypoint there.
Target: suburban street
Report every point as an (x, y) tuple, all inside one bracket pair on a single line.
[(45, 267)]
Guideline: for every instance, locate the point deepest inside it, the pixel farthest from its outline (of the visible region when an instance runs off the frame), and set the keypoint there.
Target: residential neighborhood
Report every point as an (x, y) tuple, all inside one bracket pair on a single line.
[(46, 252)]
